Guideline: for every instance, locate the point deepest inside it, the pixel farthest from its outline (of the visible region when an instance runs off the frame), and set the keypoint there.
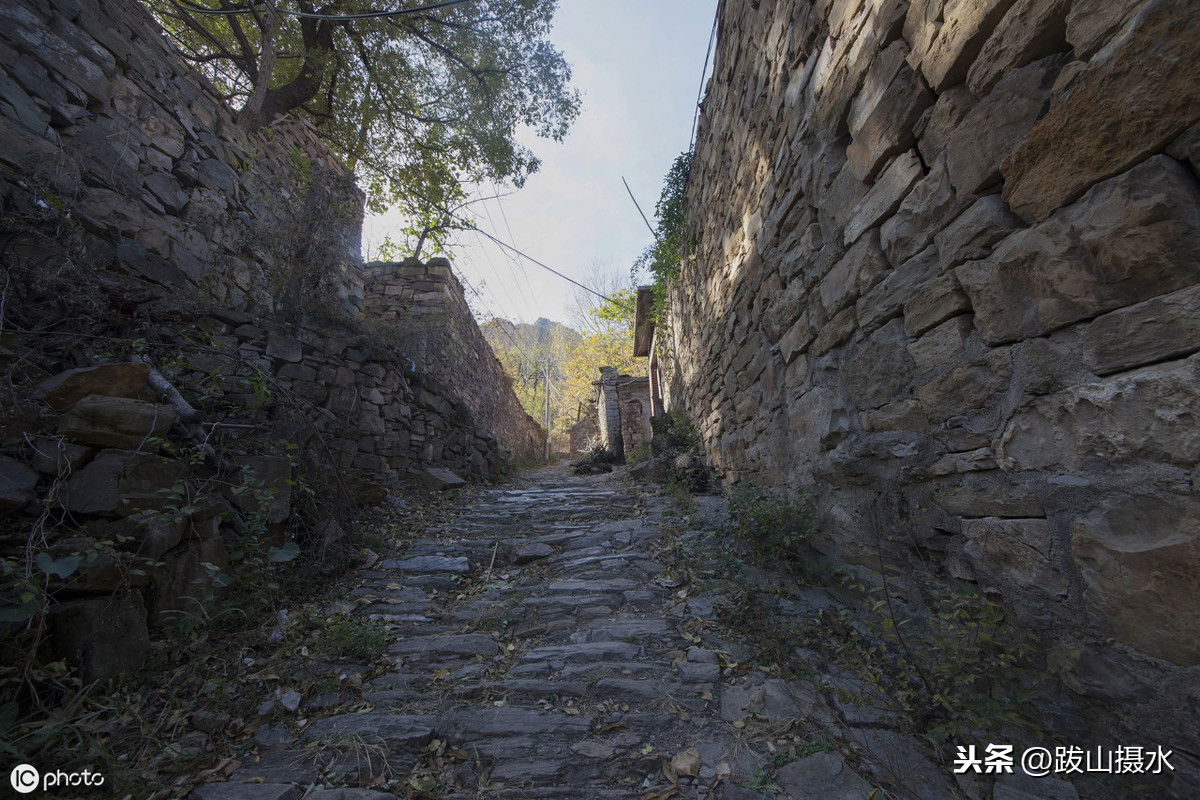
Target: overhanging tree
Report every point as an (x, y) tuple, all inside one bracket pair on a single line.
[(418, 99)]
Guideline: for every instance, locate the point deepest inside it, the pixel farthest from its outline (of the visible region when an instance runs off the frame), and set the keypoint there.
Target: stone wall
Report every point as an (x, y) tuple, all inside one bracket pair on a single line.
[(173, 205), (946, 278), (140, 228), (426, 304), (635, 411), (102, 119), (608, 412)]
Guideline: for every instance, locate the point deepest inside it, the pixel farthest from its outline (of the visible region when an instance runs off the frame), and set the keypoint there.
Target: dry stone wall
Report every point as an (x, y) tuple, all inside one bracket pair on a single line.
[(173, 205), (102, 119), (946, 277), (140, 228), (426, 305)]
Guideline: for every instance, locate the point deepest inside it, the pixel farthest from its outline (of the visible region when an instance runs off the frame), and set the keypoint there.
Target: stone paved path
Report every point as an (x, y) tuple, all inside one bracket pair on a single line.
[(544, 649)]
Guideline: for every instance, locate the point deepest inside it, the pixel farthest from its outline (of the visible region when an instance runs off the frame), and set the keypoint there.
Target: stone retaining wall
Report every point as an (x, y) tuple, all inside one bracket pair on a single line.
[(426, 302), (141, 226), (946, 277), (101, 118)]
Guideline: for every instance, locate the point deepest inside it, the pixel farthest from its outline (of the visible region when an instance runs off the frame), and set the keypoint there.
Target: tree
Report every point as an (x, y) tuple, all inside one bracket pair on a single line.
[(417, 99), (606, 330)]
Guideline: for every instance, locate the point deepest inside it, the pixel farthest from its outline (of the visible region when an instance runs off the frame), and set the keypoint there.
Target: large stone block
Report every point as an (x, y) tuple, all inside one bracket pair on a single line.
[(839, 72), (856, 271), (886, 127), (817, 420), (1031, 29), (1156, 330), (1187, 148), (104, 636), (974, 387), (997, 124), (266, 487), (1128, 239), (179, 588), (884, 69), (922, 23), (66, 389), (1144, 416), (926, 210), (901, 285), (1118, 112), (1016, 556), (1139, 557), (985, 496), (17, 483), (975, 232), (880, 370), (937, 301), (903, 415), (937, 124), (882, 199), (121, 481), (1092, 23), (966, 25), (115, 422), (942, 345)]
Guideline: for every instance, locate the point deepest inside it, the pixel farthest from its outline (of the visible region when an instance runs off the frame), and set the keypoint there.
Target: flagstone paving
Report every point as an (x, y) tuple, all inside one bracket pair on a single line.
[(543, 648)]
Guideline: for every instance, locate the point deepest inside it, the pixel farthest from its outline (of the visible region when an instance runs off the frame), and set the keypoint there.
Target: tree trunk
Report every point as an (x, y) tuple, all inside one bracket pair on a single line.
[(250, 117)]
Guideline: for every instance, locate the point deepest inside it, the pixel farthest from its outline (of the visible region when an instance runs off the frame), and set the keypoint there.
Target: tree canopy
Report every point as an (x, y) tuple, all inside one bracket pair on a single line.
[(417, 101)]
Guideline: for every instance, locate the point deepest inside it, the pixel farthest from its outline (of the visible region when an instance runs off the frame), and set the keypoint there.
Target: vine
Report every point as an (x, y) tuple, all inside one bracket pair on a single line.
[(672, 243)]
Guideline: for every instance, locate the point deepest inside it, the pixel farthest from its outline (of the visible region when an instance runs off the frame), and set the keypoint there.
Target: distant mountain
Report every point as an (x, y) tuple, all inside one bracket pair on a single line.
[(543, 339)]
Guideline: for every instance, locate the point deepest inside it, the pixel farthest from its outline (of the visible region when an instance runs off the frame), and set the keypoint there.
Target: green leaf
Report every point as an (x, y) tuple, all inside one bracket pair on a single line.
[(20, 613), (285, 553), (62, 567)]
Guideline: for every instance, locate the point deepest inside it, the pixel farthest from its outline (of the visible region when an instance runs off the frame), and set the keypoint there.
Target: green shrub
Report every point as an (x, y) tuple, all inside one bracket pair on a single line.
[(776, 524)]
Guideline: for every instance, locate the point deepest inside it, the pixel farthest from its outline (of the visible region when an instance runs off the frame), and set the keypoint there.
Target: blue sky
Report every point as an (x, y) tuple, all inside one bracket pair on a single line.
[(638, 64)]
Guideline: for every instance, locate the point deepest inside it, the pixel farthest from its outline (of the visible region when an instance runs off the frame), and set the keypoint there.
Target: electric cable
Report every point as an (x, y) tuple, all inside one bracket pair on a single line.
[(528, 257)]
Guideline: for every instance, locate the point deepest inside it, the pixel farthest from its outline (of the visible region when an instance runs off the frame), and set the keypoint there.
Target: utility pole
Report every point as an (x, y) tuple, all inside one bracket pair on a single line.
[(547, 363)]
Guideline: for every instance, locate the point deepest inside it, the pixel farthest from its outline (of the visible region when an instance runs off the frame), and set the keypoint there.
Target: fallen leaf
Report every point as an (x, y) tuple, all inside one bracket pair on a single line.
[(686, 762), (662, 794), (757, 700)]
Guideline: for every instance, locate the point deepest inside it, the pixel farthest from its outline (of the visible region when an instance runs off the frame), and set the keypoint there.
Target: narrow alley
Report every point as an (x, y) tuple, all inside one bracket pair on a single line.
[(548, 642)]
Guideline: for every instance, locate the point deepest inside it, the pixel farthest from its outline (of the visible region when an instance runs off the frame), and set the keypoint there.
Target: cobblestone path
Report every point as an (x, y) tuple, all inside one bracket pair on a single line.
[(544, 648)]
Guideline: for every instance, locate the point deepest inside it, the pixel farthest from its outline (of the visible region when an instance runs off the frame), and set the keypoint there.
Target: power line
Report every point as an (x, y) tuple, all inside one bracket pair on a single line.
[(712, 37), (508, 260), (527, 257), (185, 5), (638, 207), (512, 259)]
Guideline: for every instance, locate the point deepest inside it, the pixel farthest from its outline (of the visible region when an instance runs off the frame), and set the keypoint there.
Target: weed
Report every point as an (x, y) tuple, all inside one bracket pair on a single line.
[(777, 525), (960, 669), (348, 638)]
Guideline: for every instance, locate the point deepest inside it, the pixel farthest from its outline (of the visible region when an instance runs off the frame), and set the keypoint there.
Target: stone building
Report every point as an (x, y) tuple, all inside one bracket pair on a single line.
[(620, 414)]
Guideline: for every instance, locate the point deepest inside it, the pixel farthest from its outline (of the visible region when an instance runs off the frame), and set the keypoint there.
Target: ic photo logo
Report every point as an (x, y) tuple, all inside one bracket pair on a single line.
[(25, 778)]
